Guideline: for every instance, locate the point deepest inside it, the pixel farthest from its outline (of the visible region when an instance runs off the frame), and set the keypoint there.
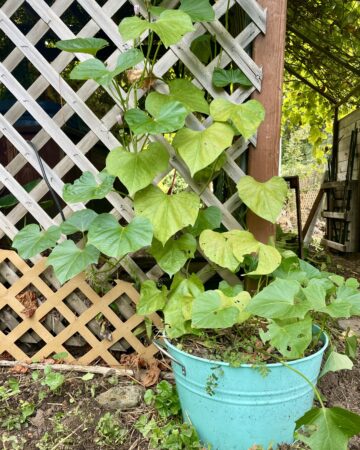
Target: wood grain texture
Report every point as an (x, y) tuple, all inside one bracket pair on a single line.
[(268, 52)]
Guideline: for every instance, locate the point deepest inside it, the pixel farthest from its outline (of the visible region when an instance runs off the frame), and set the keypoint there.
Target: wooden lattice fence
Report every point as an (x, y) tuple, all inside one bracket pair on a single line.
[(66, 316)]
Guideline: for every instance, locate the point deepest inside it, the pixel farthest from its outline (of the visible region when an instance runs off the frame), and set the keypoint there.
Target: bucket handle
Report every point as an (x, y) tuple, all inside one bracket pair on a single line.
[(163, 350)]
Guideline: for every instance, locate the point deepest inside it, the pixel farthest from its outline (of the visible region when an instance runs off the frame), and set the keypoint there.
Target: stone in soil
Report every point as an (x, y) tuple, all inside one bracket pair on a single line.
[(121, 397)]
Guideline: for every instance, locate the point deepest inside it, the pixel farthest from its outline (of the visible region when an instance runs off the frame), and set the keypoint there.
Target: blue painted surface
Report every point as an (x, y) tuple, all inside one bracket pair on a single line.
[(245, 408)]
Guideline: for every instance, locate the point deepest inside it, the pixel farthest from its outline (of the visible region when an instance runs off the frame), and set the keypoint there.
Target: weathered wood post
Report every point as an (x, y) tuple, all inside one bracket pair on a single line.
[(268, 52)]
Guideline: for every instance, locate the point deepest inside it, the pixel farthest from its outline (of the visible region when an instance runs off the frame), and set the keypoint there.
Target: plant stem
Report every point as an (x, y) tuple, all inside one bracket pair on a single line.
[(169, 192)]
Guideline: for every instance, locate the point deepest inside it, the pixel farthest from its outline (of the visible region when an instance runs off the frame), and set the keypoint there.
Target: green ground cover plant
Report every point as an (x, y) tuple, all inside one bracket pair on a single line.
[(280, 298)]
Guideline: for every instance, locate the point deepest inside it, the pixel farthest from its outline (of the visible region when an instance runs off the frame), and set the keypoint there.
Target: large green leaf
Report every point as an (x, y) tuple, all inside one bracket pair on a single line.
[(213, 309), (350, 295), (264, 199), (116, 241), (269, 259), (78, 221), (181, 90), (199, 10), (338, 309), (210, 310), (200, 148), (30, 241), (169, 118), (151, 299), (335, 362), (222, 77), (246, 117), (96, 70), (316, 296), (172, 257), (82, 45), (217, 248), (229, 249), (208, 219), (87, 188), (167, 213), (291, 339), (171, 26), (275, 300), (178, 310), (328, 428), (137, 170), (201, 47), (69, 260)]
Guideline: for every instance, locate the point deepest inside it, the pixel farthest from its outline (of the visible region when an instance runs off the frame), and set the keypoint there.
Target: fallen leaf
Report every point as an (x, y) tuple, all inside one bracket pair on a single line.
[(48, 361), (150, 376), (19, 369), (28, 300)]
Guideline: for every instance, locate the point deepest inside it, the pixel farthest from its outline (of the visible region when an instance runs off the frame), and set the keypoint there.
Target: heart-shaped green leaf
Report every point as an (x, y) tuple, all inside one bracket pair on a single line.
[(229, 249), (30, 241), (68, 260), (87, 188), (82, 45), (208, 219), (246, 117), (181, 90), (213, 309), (201, 47), (78, 221), (167, 213), (200, 148), (290, 339), (230, 290), (316, 296), (349, 295), (170, 118), (327, 428), (178, 309), (269, 259), (199, 11), (172, 257), (94, 69), (171, 26), (275, 300), (116, 241), (151, 298), (264, 199), (217, 248), (137, 170), (222, 77), (335, 362)]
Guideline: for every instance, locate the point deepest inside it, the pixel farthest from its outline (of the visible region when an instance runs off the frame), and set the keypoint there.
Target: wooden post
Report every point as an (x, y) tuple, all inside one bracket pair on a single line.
[(268, 52)]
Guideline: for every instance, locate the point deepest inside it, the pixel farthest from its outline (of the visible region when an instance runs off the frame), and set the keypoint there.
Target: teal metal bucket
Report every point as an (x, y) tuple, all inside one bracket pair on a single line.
[(235, 408)]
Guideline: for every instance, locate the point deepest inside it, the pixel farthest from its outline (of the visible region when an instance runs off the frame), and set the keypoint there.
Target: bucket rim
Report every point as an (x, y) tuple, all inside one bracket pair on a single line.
[(324, 337)]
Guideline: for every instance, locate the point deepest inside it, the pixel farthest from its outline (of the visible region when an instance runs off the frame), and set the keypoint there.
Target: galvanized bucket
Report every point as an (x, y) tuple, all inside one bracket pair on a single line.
[(236, 408)]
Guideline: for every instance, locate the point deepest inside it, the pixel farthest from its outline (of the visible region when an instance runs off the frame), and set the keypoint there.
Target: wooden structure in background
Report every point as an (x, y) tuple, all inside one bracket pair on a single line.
[(342, 212), (75, 305)]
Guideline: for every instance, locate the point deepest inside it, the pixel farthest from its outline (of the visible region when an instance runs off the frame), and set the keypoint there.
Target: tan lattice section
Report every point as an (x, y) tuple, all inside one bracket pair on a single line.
[(74, 103), (122, 330)]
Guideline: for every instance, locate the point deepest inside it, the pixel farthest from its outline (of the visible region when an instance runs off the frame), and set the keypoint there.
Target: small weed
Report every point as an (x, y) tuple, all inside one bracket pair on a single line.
[(164, 399), (19, 417), (212, 381), (169, 435), (53, 380), (109, 431), (12, 442)]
